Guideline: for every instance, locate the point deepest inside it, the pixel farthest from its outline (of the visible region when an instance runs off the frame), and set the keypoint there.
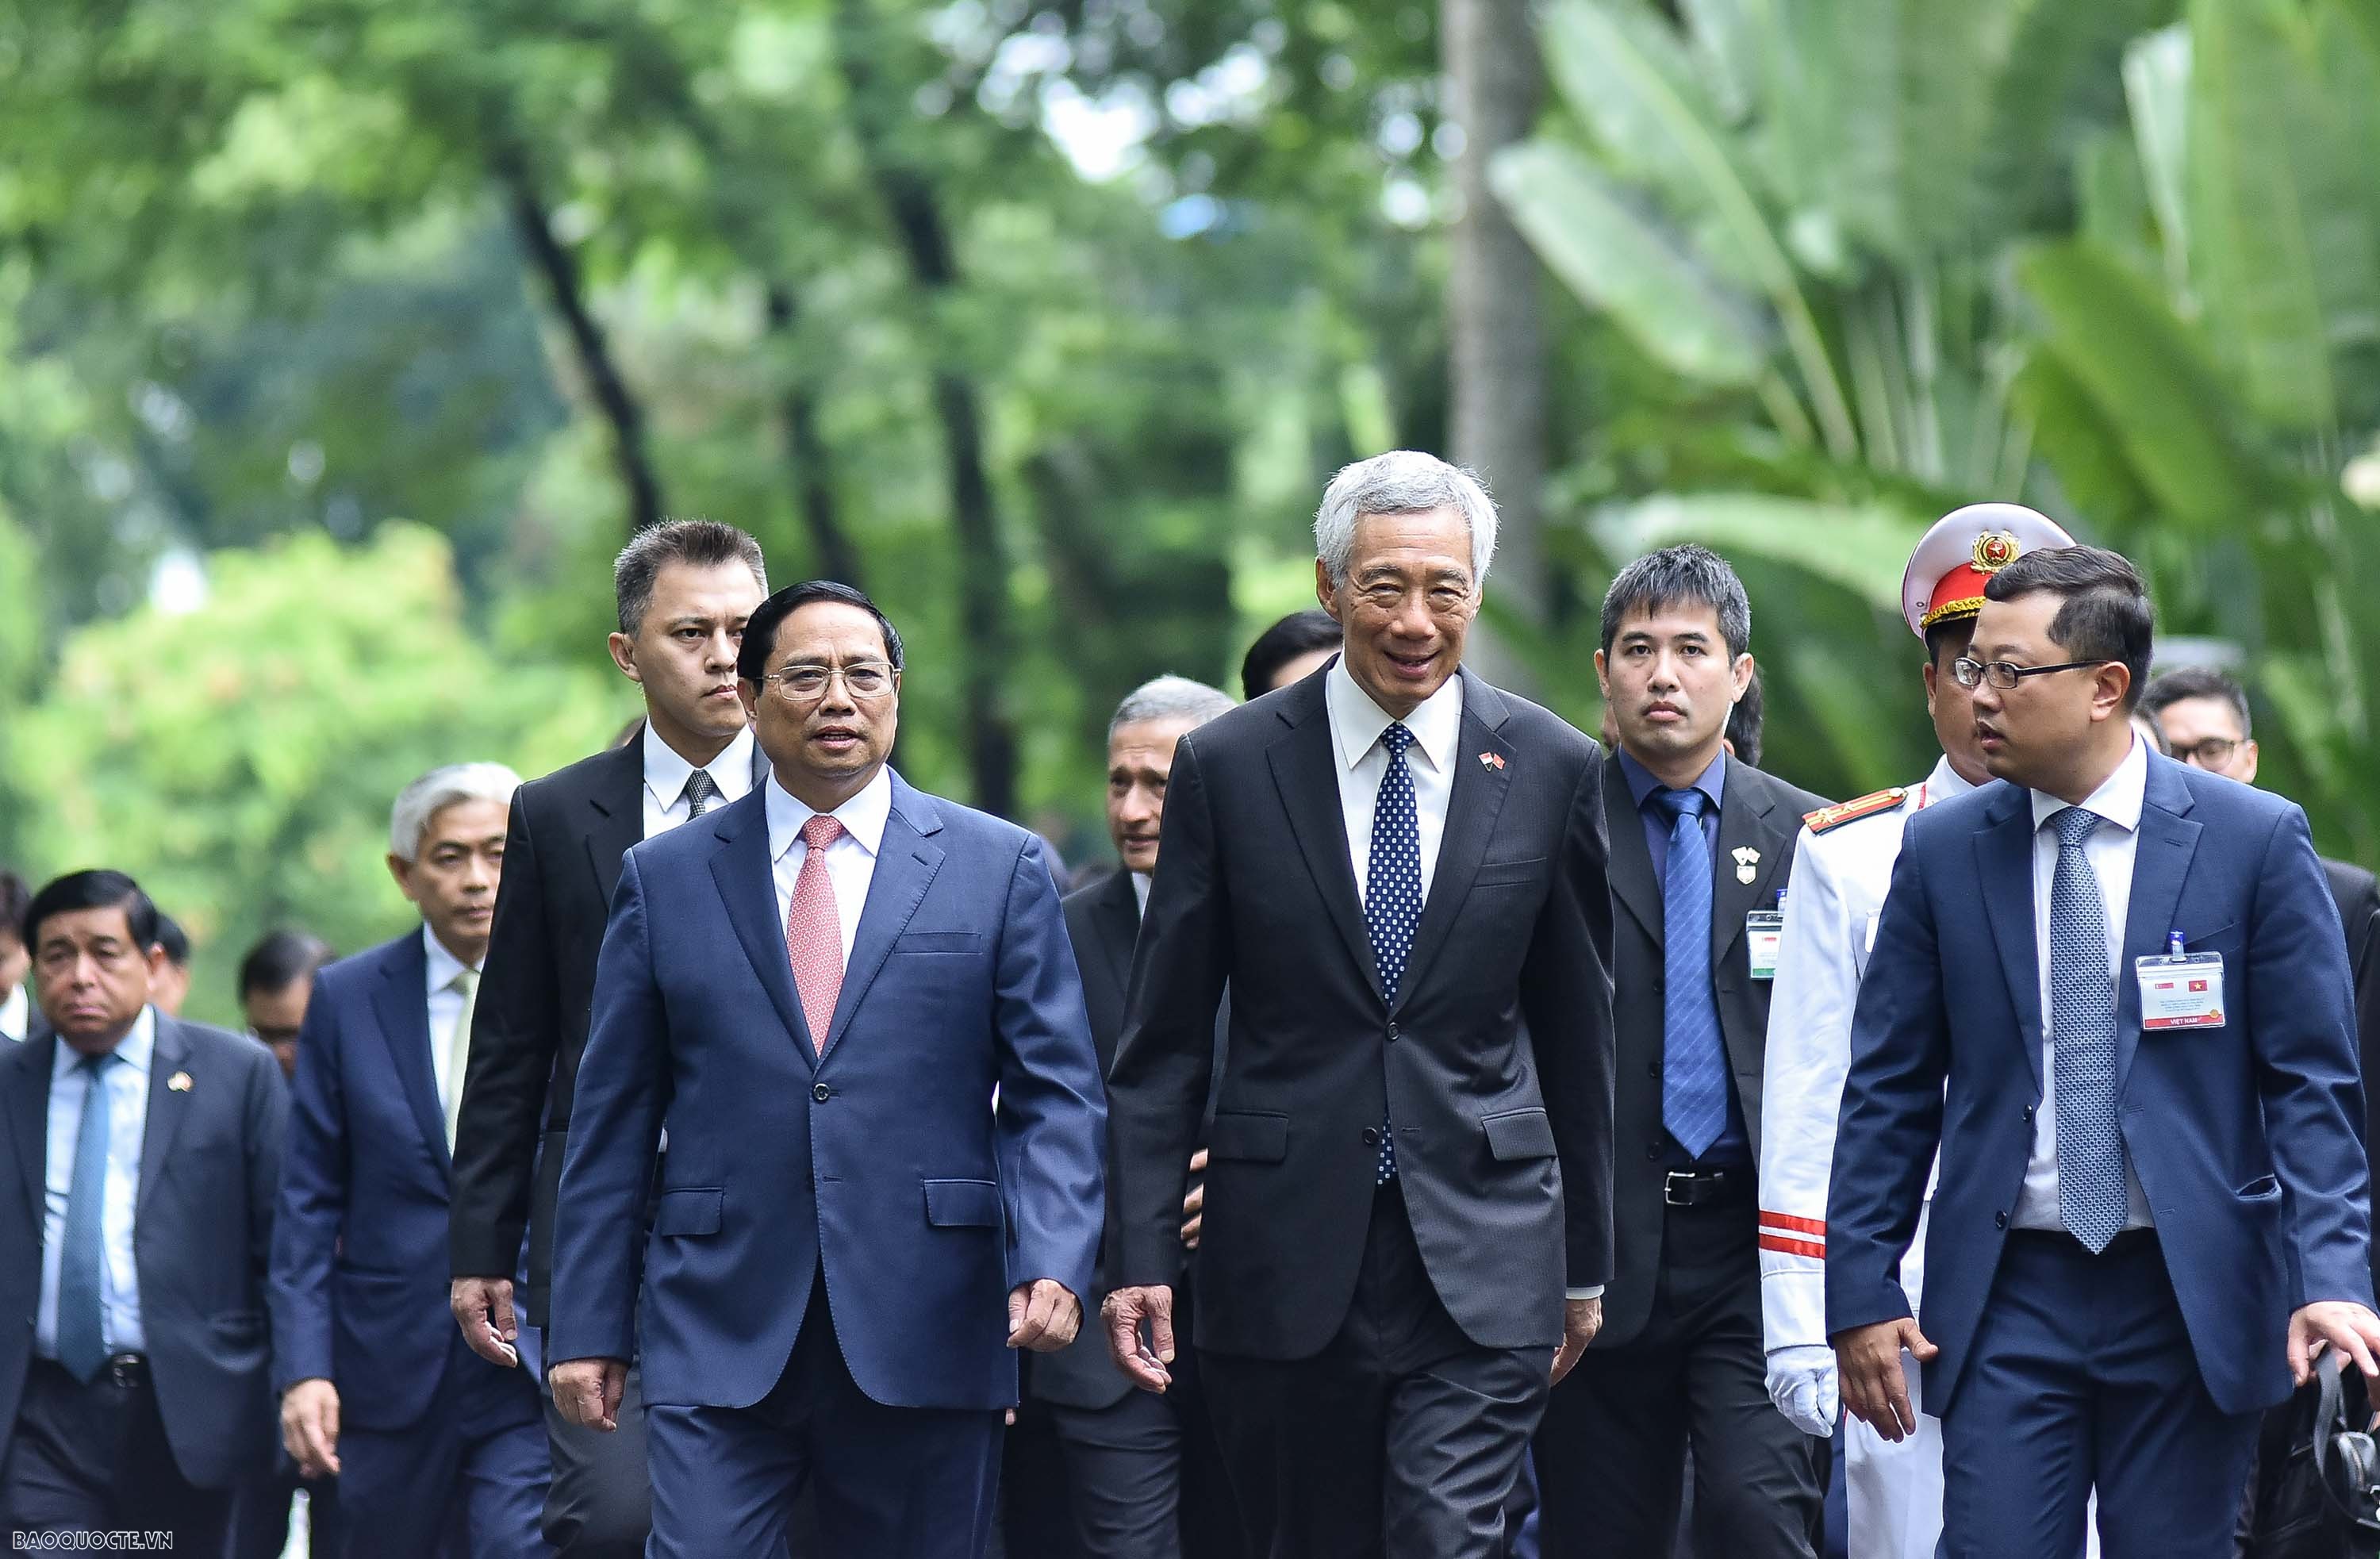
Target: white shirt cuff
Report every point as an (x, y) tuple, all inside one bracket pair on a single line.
[(1595, 1292)]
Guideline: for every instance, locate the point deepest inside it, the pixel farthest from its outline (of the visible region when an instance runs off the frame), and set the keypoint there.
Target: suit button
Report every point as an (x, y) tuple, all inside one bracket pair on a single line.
[(822, 1093), (1395, 1033), (1999, 1220), (1651, 1068), (2028, 1112), (1653, 1150), (1371, 1136)]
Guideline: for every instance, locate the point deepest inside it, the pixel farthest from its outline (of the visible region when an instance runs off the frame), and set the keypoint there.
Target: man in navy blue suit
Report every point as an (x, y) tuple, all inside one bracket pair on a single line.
[(2114, 990), (436, 1449), (855, 1008)]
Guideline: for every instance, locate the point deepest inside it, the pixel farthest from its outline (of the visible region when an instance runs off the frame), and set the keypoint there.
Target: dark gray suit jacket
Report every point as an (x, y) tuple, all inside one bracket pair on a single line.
[(202, 1226), (1756, 812)]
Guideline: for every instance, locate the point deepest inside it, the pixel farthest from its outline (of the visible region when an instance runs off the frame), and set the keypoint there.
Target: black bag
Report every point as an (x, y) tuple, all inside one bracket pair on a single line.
[(2313, 1487)]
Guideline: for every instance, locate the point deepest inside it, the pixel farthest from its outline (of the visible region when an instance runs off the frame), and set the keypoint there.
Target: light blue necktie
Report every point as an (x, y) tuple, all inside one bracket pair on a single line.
[(82, 1341), (1392, 893), (1693, 1056), (2082, 1029)]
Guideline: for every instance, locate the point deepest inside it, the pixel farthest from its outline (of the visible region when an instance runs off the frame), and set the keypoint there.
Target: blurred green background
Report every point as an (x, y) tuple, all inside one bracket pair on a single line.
[(342, 342)]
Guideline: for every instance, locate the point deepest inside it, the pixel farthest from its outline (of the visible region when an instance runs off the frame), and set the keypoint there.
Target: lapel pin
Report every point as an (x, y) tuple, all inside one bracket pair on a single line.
[(179, 1082), (1748, 861), (1492, 761)]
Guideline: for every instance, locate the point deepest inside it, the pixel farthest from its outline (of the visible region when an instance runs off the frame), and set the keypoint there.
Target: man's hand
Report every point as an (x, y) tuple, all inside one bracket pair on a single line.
[(1194, 1206), (1582, 1319), (1143, 1359), (2344, 1325), (309, 1427), (1867, 1368), (1043, 1315), (1801, 1383), (484, 1309), (587, 1391)]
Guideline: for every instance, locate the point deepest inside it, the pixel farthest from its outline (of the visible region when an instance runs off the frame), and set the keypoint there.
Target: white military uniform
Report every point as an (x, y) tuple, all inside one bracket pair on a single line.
[(1832, 902)]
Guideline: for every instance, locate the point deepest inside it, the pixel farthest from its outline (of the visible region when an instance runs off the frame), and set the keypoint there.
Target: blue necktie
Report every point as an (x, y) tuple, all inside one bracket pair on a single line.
[(82, 1342), (1392, 893), (2082, 1029), (1693, 1056)]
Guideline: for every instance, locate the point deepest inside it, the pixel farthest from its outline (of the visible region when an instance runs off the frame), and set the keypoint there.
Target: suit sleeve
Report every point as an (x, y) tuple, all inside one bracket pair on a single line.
[(1566, 998), (2304, 1042), (1165, 1057), (1801, 1096), (515, 1029), (1890, 1123), (615, 1126), (1053, 1121), (312, 1207)]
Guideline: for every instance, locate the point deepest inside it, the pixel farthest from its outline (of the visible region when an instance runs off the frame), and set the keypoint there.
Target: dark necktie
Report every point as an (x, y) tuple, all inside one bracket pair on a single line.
[(701, 790), (82, 1341), (2083, 1041), (1392, 893), (1693, 1056)]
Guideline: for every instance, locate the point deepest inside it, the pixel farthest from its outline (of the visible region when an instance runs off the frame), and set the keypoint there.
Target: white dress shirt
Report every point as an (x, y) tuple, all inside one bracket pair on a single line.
[(1141, 882), (446, 1011), (16, 1012), (2110, 850), (1355, 726), (666, 770), (127, 1083), (850, 860)]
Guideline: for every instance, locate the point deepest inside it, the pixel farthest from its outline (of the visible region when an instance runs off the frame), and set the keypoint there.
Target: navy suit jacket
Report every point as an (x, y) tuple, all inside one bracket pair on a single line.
[(885, 1163), (210, 1156), (2246, 1139), (360, 1246)]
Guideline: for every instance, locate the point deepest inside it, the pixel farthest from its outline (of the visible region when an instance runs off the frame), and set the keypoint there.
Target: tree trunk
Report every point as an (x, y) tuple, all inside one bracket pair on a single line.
[(835, 554), (916, 214), (560, 268), (1495, 344)]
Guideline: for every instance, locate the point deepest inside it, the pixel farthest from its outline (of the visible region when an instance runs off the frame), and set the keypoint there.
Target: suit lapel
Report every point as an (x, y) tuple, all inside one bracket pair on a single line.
[(1118, 907), (905, 867), (616, 822), (1305, 771), (401, 1002), (27, 1106), (2161, 857), (167, 1107), (2004, 863), (1473, 804), (1633, 882), (740, 868), (1744, 808)]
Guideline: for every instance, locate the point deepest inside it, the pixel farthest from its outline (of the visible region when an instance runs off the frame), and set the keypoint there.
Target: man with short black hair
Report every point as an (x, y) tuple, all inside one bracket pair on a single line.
[(16, 1000), (173, 981), (1292, 650), (683, 591), (134, 1241), (2114, 991), (1701, 845), (275, 981)]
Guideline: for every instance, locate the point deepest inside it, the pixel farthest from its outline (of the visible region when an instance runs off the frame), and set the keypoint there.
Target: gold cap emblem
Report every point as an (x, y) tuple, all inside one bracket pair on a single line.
[(1994, 550)]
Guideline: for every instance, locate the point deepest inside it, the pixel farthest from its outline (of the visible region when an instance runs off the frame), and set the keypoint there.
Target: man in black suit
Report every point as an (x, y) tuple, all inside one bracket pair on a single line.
[(1399, 872), (1701, 846), (684, 591), (144, 1153), (1128, 1455)]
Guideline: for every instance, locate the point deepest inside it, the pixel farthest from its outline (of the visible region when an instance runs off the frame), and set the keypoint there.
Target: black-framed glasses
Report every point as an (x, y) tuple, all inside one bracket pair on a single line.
[(861, 679), (2004, 675), (2212, 753)]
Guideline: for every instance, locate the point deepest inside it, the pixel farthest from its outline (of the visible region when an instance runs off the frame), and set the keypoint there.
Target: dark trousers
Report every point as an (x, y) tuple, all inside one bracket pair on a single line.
[(2082, 1376), (467, 1479), (891, 1483), (1611, 1454), (1211, 1523), (1124, 1477), (1400, 1439), (260, 1513), (93, 1458), (600, 1502)]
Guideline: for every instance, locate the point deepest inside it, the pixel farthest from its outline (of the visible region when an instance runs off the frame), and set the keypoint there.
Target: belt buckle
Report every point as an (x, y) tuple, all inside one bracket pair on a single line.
[(1669, 1185), (123, 1370)]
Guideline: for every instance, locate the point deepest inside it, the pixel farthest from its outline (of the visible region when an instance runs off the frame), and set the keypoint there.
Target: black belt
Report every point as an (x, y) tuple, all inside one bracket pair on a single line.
[(1706, 1188), (2126, 1243), (125, 1371)]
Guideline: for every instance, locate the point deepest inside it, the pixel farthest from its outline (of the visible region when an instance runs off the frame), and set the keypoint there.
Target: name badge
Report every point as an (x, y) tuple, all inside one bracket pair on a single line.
[(1763, 932), (2181, 991)]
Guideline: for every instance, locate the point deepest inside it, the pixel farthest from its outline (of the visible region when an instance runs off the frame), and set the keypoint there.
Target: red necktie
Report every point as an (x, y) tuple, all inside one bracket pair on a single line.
[(814, 931)]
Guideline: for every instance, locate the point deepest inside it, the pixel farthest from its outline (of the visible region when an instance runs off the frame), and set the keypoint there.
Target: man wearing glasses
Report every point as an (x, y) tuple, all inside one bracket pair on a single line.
[(817, 990)]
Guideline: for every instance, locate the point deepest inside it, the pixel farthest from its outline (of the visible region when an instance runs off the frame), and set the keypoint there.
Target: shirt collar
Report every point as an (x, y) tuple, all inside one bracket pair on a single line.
[(666, 768), (1141, 882), (134, 1050), (2118, 798), (444, 966), (1711, 782), (1356, 722), (1945, 784), (863, 817)]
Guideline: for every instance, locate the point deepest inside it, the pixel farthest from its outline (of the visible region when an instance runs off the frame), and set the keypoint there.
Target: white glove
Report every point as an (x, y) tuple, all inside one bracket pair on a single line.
[(1801, 1383)]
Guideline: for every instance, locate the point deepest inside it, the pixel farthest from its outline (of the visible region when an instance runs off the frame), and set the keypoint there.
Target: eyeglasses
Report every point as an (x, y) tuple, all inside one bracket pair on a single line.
[(861, 679), (2212, 753), (2005, 674)]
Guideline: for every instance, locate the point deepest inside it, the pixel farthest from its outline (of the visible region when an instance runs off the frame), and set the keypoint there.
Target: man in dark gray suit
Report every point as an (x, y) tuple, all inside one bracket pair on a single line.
[(145, 1153), (1399, 872)]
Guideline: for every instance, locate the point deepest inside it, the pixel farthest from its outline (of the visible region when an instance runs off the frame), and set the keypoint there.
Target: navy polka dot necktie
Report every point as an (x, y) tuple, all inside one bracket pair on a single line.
[(1392, 893)]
